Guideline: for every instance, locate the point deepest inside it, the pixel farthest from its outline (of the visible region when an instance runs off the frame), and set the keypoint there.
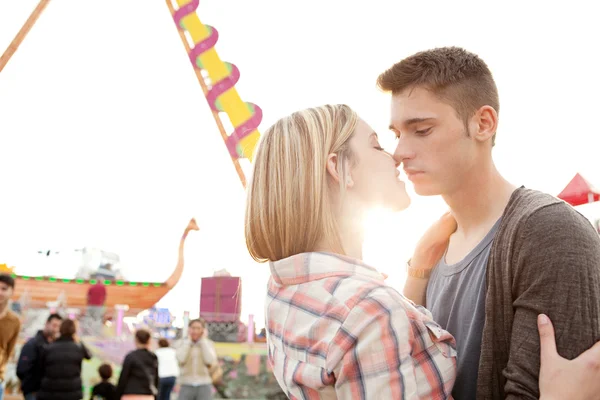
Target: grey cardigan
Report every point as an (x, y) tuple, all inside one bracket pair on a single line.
[(545, 259)]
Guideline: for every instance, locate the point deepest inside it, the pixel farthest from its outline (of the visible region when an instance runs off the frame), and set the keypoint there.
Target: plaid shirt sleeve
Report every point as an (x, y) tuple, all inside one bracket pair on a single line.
[(374, 352)]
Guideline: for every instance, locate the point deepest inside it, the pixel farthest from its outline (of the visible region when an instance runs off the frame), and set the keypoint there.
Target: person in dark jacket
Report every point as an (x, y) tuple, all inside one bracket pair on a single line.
[(139, 373), (29, 364), (61, 365)]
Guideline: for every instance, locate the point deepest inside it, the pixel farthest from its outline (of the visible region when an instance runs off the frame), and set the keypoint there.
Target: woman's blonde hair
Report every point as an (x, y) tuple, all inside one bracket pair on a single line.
[(289, 204)]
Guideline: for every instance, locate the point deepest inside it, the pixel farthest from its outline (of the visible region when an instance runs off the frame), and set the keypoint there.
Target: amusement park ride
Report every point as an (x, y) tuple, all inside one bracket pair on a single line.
[(217, 80), (243, 360)]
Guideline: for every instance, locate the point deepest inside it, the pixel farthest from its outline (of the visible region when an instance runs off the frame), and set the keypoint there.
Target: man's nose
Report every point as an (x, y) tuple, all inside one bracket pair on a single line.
[(402, 152)]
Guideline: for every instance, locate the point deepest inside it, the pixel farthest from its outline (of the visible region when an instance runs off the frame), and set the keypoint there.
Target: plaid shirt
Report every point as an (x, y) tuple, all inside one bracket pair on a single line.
[(336, 330)]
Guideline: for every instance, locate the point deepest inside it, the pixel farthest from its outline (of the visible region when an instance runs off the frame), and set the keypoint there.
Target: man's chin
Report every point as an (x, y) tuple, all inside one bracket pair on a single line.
[(426, 190)]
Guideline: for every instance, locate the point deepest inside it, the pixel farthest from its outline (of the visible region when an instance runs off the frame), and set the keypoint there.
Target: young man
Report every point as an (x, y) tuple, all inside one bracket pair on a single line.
[(516, 253), (10, 325), (29, 364)]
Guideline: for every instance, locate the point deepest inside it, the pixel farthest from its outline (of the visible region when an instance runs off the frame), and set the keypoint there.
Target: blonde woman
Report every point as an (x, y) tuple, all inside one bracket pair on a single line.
[(334, 328)]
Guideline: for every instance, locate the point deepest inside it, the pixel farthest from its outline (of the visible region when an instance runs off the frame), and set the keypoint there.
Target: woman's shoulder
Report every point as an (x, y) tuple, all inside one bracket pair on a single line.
[(384, 299), (165, 351)]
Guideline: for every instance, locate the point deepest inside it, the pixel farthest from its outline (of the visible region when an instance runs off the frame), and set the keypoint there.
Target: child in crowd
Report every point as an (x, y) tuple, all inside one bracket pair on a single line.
[(104, 390)]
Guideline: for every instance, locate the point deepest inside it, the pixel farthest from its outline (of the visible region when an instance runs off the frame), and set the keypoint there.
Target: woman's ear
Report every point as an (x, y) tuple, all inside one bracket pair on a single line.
[(332, 164), (333, 170)]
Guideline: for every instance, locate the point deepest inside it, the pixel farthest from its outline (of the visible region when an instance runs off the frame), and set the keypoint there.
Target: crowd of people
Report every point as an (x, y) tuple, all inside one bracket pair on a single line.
[(150, 375), (50, 363)]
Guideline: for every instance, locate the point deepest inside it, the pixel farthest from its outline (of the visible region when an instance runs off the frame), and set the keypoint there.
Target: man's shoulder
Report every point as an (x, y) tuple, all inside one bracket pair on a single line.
[(530, 200), (535, 220), (33, 342), (12, 319), (539, 209)]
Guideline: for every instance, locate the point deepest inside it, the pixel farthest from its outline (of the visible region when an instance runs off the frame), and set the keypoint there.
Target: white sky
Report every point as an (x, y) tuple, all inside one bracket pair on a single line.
[(107, 140)]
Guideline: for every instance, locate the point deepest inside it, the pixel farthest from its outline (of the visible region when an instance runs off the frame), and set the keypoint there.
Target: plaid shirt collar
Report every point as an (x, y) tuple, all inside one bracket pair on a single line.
[(306, 267)]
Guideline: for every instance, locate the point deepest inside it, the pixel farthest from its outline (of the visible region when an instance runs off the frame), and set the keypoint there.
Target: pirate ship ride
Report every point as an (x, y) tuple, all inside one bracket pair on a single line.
[(137, 295)]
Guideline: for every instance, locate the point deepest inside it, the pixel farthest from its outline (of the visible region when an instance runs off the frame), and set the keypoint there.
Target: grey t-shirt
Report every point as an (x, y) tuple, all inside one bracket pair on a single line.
[(456, 299)]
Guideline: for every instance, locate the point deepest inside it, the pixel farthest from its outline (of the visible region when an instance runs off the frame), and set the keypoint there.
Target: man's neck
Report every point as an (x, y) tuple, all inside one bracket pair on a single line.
[(480, 201), (3, 308)]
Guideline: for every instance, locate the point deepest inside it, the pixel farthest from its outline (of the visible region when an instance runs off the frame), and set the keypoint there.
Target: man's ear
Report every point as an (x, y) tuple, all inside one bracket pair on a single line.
[(332, 170), (485, 123)]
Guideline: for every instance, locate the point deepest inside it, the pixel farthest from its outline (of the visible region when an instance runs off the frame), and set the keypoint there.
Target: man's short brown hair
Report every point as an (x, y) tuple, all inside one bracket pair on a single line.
[(8, 280), (459, 77), (142, 336)]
